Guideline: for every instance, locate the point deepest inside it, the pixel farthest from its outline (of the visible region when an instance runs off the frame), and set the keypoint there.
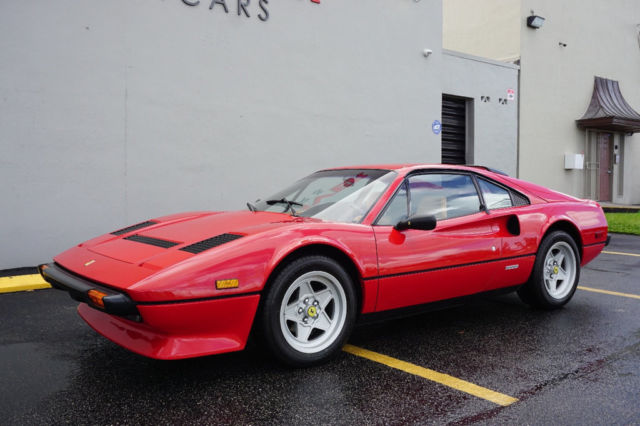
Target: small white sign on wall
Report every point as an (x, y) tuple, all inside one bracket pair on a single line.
[(574, 161)]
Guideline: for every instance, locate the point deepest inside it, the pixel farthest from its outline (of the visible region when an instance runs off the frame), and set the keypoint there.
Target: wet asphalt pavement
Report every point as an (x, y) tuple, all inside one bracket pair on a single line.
[(577, 365)]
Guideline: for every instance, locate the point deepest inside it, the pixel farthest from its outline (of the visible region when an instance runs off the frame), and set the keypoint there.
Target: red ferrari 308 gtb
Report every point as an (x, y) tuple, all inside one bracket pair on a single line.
[(306, 263)]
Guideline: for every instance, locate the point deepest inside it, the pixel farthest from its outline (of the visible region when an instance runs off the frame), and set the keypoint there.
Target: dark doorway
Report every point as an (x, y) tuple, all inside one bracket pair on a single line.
[(454, 130), (605, 172)]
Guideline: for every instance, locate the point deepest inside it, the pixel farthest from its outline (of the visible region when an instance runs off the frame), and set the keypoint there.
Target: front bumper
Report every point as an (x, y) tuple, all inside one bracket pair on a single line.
[(162, 330), (180, 330), (116, 303)]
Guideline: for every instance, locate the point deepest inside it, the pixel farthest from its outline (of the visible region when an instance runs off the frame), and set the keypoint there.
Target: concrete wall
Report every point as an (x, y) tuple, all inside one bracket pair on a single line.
[(631, 182), (495, 123), (487, 28), (556, 84), (112, 112), (579, 40)]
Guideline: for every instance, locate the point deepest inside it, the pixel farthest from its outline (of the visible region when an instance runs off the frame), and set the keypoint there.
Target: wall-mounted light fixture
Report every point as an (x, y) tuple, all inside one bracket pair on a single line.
[(535, 21)]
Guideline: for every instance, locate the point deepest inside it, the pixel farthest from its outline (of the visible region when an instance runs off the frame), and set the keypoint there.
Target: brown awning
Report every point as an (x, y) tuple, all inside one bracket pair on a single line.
[(608, 110)]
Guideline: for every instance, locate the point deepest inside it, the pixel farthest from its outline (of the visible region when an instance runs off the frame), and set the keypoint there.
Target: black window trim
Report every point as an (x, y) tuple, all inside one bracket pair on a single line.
[(386, 206), (509, 190), (474, 177), (428, 172)]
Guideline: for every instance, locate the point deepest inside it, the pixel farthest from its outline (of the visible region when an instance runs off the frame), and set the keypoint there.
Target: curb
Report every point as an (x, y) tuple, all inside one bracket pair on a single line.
[(26, 282), (629, 209)]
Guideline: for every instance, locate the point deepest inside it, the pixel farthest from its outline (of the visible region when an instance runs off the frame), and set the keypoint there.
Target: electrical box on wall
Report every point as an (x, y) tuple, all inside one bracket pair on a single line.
[(574, 161)]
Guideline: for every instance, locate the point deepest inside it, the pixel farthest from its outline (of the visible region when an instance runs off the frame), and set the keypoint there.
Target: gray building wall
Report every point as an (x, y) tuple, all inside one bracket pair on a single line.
[(112, 112), (487, 28), (491, 114), (579, 40)]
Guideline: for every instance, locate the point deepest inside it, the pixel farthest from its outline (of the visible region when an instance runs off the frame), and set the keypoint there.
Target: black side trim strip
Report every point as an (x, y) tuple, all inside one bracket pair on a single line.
[(134, 227), (201, 299), (448, 267), (151, 241), (599, 243), (373, 317)]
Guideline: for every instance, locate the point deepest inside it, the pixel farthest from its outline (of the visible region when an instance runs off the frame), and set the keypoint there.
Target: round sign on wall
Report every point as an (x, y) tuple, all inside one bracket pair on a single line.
[(436, 126)]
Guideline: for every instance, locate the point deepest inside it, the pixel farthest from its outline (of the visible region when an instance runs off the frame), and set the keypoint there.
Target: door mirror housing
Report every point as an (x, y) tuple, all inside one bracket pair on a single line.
[(423, 223)]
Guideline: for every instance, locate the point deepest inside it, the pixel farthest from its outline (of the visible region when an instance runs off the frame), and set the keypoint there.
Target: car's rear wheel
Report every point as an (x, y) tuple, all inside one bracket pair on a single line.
[(555, 273), (309, 311)]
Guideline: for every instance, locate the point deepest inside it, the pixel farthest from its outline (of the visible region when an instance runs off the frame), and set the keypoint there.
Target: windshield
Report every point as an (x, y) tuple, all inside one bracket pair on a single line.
[(333, 195)]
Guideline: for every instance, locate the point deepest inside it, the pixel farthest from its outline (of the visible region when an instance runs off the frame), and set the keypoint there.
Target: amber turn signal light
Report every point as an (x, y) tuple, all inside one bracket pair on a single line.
[(224, 284), (96, 297)]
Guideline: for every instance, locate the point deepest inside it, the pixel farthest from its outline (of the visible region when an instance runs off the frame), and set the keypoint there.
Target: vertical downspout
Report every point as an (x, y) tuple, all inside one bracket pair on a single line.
[(518, 122), (587, 159)]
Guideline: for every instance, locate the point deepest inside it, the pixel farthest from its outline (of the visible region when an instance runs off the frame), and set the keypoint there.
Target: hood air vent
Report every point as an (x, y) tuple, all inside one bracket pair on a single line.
[(133, 227), (151, 241), (207, 244)]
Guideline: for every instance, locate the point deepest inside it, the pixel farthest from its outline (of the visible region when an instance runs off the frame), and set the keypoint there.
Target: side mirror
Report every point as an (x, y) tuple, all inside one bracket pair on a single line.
[(423, 223)]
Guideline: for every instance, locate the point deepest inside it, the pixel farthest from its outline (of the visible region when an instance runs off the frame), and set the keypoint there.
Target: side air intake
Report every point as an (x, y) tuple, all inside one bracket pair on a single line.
[(209, 243)]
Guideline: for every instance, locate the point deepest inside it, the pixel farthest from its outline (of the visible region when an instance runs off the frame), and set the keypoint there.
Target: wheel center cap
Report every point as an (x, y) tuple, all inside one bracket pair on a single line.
[(312, 311), (556, 269)]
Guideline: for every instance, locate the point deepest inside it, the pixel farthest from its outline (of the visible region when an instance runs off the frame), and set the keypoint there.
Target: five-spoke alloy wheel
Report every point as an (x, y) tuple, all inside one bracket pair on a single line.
[(309, 310), (559, 270), (555, 273)]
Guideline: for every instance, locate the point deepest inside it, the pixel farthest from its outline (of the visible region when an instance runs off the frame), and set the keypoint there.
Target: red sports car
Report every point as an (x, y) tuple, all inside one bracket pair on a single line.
[(305, 264)]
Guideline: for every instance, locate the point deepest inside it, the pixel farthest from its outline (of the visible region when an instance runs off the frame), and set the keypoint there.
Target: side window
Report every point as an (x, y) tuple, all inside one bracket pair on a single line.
[(396, 209), (443, 195), (495, 196)]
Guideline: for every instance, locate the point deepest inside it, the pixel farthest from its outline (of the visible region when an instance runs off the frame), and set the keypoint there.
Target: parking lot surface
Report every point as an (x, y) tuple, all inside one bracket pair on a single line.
[(576, 365)]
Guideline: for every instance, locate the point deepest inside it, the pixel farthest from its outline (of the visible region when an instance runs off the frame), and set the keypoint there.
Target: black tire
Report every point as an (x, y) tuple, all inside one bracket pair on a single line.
[(555, 275), (316, 319)]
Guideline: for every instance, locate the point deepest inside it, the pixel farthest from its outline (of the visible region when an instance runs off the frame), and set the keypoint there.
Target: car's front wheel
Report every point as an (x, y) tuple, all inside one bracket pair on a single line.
[(555, 273), (309, 311)]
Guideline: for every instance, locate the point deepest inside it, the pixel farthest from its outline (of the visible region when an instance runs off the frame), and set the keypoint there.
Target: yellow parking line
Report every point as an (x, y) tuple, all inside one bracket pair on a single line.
[(434, 376), (620, 253), (612, 293), (22, 283)]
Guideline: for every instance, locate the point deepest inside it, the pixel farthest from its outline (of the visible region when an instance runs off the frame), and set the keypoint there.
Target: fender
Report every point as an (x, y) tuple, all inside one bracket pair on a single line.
[(359, 246)]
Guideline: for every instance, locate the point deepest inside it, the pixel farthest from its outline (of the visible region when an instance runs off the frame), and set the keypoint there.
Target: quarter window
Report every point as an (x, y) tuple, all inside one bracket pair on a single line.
[(495, 196)]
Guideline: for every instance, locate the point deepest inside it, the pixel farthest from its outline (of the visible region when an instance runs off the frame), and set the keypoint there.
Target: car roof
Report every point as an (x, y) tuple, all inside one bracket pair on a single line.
[(405, 168)]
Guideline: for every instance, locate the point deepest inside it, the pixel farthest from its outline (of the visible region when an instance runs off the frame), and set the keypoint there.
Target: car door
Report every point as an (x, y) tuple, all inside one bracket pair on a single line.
[(519, 231), (454, 259)]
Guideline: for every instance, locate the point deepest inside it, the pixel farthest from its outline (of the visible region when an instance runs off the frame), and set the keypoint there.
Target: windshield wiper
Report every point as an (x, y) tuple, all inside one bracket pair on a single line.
[(252, 207), (283, 200)]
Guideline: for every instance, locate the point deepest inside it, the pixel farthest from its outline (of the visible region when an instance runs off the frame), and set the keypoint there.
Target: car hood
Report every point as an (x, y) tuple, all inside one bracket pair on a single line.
[(168, 240)]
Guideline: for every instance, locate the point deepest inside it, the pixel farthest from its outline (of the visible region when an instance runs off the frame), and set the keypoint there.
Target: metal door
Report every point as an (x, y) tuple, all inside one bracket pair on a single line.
[(605, 168), (454, 130)]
